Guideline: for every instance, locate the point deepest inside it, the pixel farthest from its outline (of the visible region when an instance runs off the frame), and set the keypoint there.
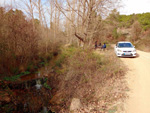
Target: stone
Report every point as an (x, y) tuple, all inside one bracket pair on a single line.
[(75, 104)]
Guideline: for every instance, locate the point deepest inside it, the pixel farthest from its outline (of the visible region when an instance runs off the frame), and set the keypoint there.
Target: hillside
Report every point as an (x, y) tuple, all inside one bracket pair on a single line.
[(134, 28)]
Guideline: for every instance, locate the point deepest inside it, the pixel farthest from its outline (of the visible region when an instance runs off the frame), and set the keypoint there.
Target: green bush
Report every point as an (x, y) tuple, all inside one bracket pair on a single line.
[(115, 34), (65, 53), (47, 86)]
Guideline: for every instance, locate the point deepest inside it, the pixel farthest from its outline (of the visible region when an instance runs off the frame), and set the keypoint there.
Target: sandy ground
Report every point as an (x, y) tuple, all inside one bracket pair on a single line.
[(138, 79)]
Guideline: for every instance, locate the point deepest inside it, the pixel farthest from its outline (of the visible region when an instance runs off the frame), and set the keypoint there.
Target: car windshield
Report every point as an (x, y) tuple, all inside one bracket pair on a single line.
[(124, 45)]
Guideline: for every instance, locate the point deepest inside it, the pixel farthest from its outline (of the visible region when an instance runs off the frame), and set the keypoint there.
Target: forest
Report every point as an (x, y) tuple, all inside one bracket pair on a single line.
[(47, 55)]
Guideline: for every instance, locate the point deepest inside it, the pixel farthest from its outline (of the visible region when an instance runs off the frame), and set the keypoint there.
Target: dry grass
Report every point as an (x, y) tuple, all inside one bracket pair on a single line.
[(96, 79), (143, 44)]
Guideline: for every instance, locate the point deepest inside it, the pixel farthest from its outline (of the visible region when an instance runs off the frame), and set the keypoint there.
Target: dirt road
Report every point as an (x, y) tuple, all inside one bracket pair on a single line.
[(138, 78)]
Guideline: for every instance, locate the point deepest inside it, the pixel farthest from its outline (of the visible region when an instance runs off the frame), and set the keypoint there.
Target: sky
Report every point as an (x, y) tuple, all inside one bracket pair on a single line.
[(135, 6), (129, 6)]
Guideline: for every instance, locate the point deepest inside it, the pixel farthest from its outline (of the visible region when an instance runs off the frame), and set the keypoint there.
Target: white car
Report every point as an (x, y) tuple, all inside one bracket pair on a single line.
[(125, 49)]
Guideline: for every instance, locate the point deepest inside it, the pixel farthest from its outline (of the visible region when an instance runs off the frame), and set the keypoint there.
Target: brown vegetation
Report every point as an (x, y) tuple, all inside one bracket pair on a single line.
[(136, 31), (23, 44), (19, 42), (143, 42), (93, 78)]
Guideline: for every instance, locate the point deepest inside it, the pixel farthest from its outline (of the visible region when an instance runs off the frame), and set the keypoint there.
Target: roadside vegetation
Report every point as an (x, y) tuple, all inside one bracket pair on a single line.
[(22, 46), (24, 49), (95, 79), (143, 43)]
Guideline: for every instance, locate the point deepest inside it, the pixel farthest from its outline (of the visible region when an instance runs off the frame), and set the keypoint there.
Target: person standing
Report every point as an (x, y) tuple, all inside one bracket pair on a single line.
[(100, 45), (95, 44), (104, 46)]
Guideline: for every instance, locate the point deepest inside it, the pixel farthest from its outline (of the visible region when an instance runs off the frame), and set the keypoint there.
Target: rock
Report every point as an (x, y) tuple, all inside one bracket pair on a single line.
[(75, 104)]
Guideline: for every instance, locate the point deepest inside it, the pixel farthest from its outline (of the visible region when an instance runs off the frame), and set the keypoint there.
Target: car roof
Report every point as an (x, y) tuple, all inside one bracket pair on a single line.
[(124, 42)]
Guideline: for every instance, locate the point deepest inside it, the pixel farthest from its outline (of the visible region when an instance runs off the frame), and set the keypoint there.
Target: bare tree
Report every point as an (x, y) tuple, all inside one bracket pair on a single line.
[(29, 8), (39, 6), (89, 14), (51, 11)]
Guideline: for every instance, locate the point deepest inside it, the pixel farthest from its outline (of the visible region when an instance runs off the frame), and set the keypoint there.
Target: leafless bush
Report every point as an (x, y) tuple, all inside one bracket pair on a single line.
[(18, 41), (136, 30), (83, 75)]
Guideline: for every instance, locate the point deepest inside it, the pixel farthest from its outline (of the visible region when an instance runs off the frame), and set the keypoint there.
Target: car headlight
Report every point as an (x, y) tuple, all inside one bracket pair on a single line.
[(119, 50), (134, 50)]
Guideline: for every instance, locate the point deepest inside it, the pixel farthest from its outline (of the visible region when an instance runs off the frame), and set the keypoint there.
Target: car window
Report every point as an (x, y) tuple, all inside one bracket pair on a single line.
[(122, 45)]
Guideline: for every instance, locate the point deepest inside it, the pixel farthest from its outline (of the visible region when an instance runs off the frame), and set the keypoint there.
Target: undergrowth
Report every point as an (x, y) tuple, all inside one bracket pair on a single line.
[(143, 44), (16, 77), (87, 75)]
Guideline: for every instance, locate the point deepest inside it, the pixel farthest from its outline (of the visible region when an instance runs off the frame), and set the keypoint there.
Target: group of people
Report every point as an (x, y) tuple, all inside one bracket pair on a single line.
[(103, 47)]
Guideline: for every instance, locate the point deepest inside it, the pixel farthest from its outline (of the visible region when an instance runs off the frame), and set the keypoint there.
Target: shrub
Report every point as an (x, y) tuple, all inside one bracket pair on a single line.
[(82, 72), (143, 44)]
